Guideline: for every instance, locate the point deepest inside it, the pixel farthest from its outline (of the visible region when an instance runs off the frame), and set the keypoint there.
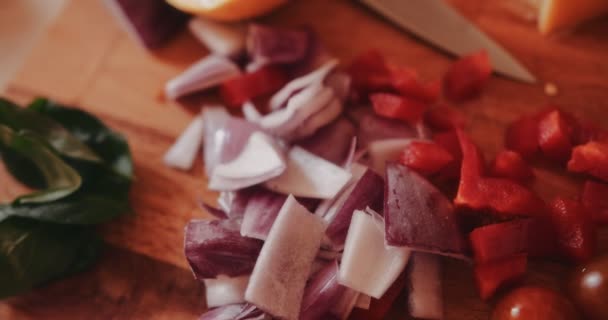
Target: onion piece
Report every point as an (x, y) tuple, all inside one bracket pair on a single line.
[(419, 216), (368, 266), (373, 128), (216, 247), (332, 141), (309, 176), (250, 112), (235, 312), (273, 45), (259, 161), (343, 308), (216, 212), (382, 151), (182, 153), (208, 72), (316, 77), (234, 203), (322, 293), (279, 276), (340, 82), (328, 208), (326, 115), (363, 301), (262, 210), (226, 39), (151, 23), (425, 297), (225, 290)]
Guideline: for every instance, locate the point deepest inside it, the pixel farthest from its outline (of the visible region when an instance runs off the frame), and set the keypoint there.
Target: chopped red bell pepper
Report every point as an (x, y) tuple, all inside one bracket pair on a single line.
[(500, 240), (574, 228), (494, 275), (379, 308), (449, 141), (521, 136), (590, 158), (466, 77), (405, 81), (556, 133), (509, 164), (427, 158), (369, 72), (392, 106), (542, 241), (259, 83), (443, 117), (594, 197)]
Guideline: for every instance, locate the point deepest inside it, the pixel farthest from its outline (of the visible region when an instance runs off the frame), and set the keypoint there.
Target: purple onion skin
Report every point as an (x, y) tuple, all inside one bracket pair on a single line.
[(261, 211), (322, 292), (418, 215), (154, 21), (373, 128), (216, 247), (331, 142), (277, 46), (243, 311)]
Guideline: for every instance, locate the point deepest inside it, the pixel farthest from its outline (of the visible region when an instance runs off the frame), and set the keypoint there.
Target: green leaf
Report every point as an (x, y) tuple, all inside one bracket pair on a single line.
[(52, 132), (111, 146), (61, 180), (33, 253)]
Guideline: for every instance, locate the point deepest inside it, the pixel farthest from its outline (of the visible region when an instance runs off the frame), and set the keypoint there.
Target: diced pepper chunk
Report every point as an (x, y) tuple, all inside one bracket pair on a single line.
[(556, 135), (492, 276), (509, 164), (500, 240), (426, 158), (466, 77), (443, 117), (590, 158), (542, 242), (248, 86), (397, 107), (594, 197), (406, 82), (369, 72), (449, 141), (574, 228), (521, 136)]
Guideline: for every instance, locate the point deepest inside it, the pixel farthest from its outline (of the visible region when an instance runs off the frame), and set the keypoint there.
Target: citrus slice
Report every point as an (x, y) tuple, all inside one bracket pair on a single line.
[(227, 10)]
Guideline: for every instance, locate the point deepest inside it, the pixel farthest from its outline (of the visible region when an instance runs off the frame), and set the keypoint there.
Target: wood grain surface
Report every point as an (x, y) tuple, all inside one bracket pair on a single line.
[(85, 59)]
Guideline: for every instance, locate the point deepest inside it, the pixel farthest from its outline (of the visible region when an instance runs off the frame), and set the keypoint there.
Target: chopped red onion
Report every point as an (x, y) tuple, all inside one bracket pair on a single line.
[(363, 301), (309, 176), (235, 312), (382, 151), (340, 82), (328, 208), (250, 112), (332, 141), (322, 293), (280, 273), (425, 295), (318, 120), (225, 290), (182, 153), (226, 39), (368, 265), (351, 155), (345, 305), (216, 247), (373, 127), (152, 23), (419, 216), (261, 212), (273, 45), (260, 160), (216, 212), (208, 72), (234, 203), (316, 77)]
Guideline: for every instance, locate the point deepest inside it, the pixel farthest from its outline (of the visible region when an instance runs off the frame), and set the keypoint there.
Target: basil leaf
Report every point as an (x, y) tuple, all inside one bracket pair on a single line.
[(33, 253), (52, 132), (109, 145), (61, 180)]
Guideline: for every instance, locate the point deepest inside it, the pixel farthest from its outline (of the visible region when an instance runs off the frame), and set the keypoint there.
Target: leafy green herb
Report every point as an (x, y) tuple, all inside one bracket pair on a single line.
[(83, 172)]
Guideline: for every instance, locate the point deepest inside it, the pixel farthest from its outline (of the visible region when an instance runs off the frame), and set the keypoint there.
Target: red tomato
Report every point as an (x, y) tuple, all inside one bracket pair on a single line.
[(589, 289), (397, 107), (466, 77), (534, 303)]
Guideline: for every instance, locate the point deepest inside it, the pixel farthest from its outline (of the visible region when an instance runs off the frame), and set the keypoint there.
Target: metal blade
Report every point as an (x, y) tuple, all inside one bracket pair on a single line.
[(440, 24)]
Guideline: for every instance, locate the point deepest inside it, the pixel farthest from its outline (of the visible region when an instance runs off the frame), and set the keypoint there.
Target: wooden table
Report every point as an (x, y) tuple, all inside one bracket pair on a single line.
[(85, 59)]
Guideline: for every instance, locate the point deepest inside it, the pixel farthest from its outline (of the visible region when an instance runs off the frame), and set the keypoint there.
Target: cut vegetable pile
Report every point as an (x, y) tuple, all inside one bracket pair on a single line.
[(339, 178)]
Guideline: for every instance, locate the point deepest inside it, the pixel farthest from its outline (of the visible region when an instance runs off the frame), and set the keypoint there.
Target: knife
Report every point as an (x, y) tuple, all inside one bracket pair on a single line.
[(441, 25)]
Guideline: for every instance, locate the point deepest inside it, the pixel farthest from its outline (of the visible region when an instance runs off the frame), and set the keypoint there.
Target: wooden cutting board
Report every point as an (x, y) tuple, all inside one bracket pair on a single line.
[(85, 59)]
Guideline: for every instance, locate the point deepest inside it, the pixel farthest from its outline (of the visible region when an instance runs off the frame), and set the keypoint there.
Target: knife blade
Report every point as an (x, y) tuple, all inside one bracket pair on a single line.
[(438, 23)]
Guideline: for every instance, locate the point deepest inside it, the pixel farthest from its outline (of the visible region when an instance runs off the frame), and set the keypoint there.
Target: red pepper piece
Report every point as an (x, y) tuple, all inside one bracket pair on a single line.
[(426, 158), (379, 308), (466, 77), (494, 275), (444, 118), (261, 82), (542, 240), (509, 164), (521, 136), (500, 240), (393, 106), (574, 228), (406, 82), (369, 72), (449, 141), (555, 136), (594, 197), (590, 158)]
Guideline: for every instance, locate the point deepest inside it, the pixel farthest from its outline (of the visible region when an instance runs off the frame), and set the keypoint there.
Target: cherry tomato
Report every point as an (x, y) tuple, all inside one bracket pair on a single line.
[(589, 288), (534, 303)]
